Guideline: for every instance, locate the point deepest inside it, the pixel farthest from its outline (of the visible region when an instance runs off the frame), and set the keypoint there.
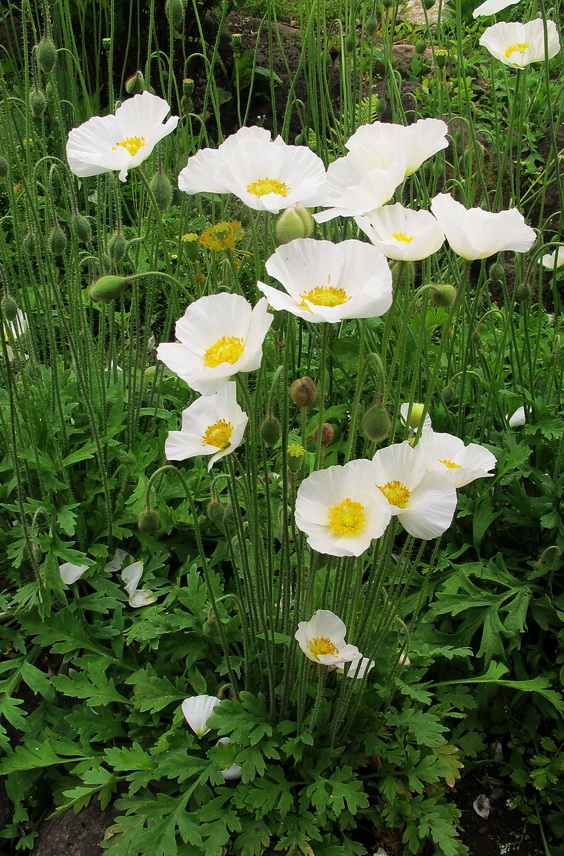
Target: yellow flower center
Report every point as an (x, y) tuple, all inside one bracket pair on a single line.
[(132, 144), (519, 47), (267, 185), (450, 464), (322, 645), (228, 349), (347, 518), (396, 493), (222, 236), (218, 434), (324, 296), (401, 236)]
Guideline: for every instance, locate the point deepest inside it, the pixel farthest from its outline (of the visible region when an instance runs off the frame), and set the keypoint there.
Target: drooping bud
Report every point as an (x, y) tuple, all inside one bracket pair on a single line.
[(303, 392), (327, 435), (295, 459), (270, 430), (3, 167), (299, 140), (149, 521), (387, 4), (402, 271), (46, 54), (135, 84), (81, 228), (497, 272), (376, 423), (9, 308), (350, 42), (217, 512), (57, 241), (447, 394), (371, 25), (522, 293), (29, 244), (209, 627), (162, 191), (117, 246), (174, 10), (294, 222), (443, 294), (37, 104), (108, 288)]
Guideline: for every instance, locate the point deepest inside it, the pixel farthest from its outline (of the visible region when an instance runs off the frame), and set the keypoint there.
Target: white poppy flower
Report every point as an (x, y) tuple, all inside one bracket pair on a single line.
[(550, 261), (71, 573), (517, 44), (212, 425), (122, 140), (329, 282), (266, 174), (447, 456), (416, 142), (131, 577), (411, 414), (518, 419), (16, 328), (219, 336), (401, 233), (322, 639), (234, 771), (358, 669), (197, 710), (491, 7), (340, 509), (424, 503), (476, 234)]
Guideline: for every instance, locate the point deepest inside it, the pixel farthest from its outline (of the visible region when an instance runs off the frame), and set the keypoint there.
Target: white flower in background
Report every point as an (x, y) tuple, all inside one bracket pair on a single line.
[(358, 669), (518, 419), (322, 639), (447, 455), (220, 335), (340, 509), (17, 328), (491, 7), (410, 415), (234, 771), (329, 282), (197, 710), (212, 425), (554, 260), (401, 233), (416, 142), (131, 577), (71, 573), (266, 174), (119, 558), (120, 141), (476, 234), (423, 502), (517, 45)]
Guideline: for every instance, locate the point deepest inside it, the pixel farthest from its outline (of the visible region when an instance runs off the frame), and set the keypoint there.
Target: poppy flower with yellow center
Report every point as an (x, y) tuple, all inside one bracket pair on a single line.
[(447, 455), (517, 45), (322, 639), (401, 233)]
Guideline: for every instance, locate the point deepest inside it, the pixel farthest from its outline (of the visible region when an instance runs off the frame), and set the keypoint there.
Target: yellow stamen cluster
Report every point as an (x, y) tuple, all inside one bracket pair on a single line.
[(267, 185), (347, 518), (519, 47), (324, 296), (132, 144), (396, 493), (228, 349), (322, 645), (401, 236), (450, 464), (218, 434), (222, 236)]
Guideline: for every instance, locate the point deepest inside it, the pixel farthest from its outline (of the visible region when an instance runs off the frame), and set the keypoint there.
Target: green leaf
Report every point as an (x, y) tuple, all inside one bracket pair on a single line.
[(77, 685)]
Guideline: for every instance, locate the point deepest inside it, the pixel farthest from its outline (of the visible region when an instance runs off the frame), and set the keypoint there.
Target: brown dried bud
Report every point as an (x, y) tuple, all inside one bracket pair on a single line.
[(303, 392)]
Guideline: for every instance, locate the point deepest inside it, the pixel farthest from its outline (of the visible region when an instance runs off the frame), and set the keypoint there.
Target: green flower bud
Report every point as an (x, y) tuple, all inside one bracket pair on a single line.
[(37, 104), (46, 54), (522, 293), (295, 458), (387, 4), (420, 46), (371, 25), (300, 140), (209, 627), (81, 228), (447, 394), (108, 288), (402, 271), (149, 521), (49, 92), (117, 246), (162, 191), (350, 42), (174, 10), (294, 222), (29, 244), (57, 241), (9, 308), (376, 423), (217, 512), (135, 84), (3, 167), (415, 415), (303, 392), (497, 272), (428, 3), (270, 430), (380, 108), (442, 294)]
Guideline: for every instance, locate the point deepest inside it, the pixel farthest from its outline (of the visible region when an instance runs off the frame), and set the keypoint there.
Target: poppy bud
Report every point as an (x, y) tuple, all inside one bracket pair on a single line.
[(447, 394), (387, 4), (300, 140), (162, 191), (295, 457), (294, 222), (29, 244), (216, 512), (270, 430), (57, 241), (106, 43), (174, 10), (443, 294), (236, 42), (415, 415), (428, 4), (497, 272), (376, 423), (135, 84), (9, 308), (303, 392), (149, 521), (81, 228), (107, 288), (401, 271), (350, 42), (209, 627), (117, 246), (37, 104), (522, 293), (46, 54), (327, 434), (371, 25), (420, 46), (3, 167)]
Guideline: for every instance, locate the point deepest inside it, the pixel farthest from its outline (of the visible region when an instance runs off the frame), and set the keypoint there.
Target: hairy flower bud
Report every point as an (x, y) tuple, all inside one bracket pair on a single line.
[(9, 308), (37, 104), (522, 293), (303, 392), (327, 435), (108, 288), (497, 272), (420, 46), (376, 423), (162, 191), (81, 228), (174, 10), (270, 430), (46, 54), (371, 25), (218, 512), (3, 167), (135, 84), (57, 241), (294, 222), (443, 294), (447, 394), (350, 42), (149, 521), (29, 244), (209, 627), (117, 246)]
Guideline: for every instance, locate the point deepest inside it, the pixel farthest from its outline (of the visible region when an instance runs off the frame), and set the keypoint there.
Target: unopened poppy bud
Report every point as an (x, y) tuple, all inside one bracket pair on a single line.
[(303, 392), (447, 394), (380, 108), (522, 293), (117, 246), (46, 54), (497, 272), (3, 167), (9, 308), (376, 423), (371, 25), (209, 627), (327, 434), (106, 43), (108, 288), (295, 458), (476, 338), (415, 415), (420, 46), (270, 430), (135, 84), (162, 191), (29, 244), (387, 4), (57, 241), (428, 3), (175, 12), (442, 294), (294, 222), (350, 43), (299, 140), (402, 271), (216, 512), (81, 228), (441, 57), (188, 87), (37, 104), (149, 521)]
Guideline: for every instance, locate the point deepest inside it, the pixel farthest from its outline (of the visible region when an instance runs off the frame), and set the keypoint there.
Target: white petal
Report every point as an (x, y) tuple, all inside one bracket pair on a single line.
[(197, 710), (131, 576), (71, 573)]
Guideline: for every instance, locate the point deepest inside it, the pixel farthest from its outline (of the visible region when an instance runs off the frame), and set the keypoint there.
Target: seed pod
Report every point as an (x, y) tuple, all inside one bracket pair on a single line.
[(376, 423), (46, 54), (149, 521), (303, 392), (270, 430), (135, 84), (174, 10), (108, 288), (441, 57), (3, 167), (188, 87), (443, 294), (294, 222), (295, 458), (106, 43), (9, 308), (37, 104), (81, 228), (57, 241), (162, 191), (29, 244), (117, 246)]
